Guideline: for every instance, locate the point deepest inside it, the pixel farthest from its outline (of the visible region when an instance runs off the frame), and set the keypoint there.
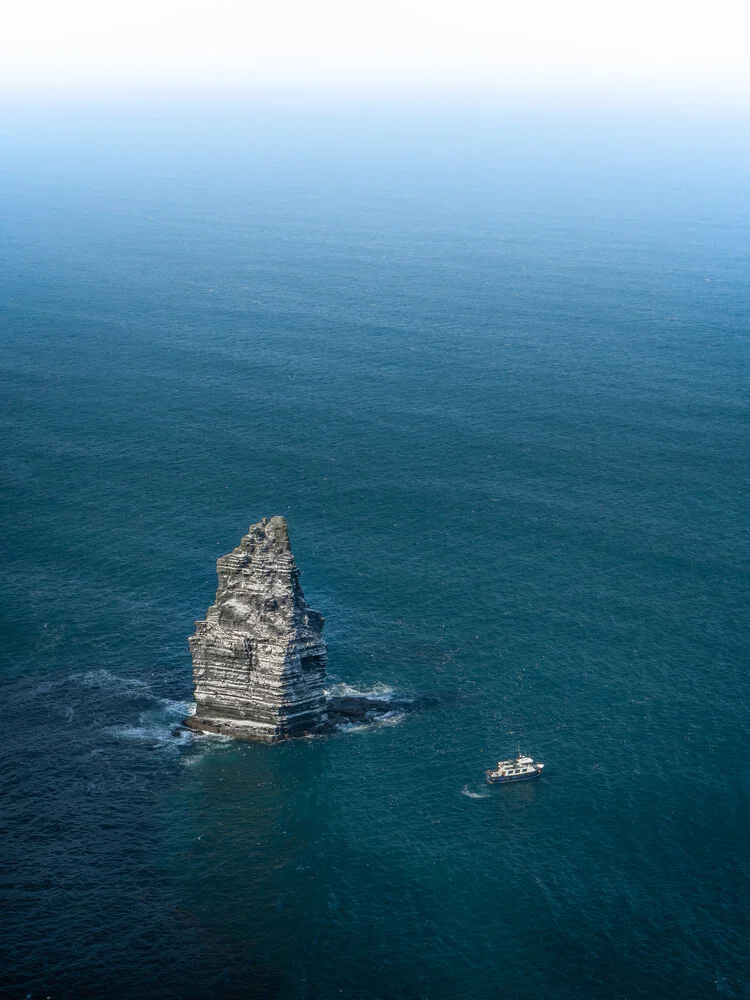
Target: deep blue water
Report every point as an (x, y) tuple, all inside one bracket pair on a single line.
[(492, 367)]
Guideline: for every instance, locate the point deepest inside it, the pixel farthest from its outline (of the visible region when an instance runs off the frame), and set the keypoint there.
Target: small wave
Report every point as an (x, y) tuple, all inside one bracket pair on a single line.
[(97, 679), (106, 679), (473, 795)]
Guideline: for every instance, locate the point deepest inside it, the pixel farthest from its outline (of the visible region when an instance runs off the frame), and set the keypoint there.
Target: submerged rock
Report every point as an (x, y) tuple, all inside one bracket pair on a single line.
[(259, 659), (367, 707)]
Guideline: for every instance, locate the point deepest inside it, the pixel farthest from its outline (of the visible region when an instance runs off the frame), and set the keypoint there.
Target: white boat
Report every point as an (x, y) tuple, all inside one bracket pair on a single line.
[(519, 769)]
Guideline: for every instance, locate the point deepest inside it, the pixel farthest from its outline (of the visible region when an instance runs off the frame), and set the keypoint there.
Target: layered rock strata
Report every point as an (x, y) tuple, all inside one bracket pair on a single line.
[(259, 659)]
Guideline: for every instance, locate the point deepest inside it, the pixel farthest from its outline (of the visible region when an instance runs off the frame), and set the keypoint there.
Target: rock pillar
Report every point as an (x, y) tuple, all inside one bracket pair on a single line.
[(259, 660)]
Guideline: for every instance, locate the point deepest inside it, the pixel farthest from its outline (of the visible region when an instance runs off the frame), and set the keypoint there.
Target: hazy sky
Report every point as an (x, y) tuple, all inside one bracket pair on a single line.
[(677, 47)]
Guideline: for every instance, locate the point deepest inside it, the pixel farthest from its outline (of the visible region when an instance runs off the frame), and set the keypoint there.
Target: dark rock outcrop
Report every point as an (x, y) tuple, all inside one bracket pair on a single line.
[(259, 659), (369, 708)]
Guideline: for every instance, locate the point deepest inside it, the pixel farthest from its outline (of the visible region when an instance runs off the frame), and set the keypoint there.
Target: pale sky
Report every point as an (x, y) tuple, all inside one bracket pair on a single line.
[(668, 47)]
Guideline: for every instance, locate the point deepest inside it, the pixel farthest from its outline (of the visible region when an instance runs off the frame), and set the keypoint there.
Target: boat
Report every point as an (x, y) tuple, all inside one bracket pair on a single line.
[(519, 769)]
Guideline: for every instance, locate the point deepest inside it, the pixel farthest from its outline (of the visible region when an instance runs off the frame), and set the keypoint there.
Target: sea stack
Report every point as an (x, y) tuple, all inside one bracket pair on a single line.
[(259, 660)]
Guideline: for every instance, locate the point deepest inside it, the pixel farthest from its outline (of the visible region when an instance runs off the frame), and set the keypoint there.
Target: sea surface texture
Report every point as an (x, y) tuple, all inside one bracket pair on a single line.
[(492, 367)]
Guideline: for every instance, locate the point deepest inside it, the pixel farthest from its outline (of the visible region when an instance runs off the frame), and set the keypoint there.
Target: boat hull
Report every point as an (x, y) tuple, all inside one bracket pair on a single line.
[(497, 780)]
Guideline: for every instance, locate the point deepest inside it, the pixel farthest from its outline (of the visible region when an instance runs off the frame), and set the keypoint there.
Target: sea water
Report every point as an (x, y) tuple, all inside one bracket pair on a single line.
[(492, 367)]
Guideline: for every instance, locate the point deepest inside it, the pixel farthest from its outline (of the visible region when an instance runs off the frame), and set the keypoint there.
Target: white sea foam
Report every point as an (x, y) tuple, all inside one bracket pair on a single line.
[(352, 727), (154, 733), (211, 737), (157, 727), (181, 708), (389, 719), (381, 692), (204, 745), (386, 719), (148, 732)]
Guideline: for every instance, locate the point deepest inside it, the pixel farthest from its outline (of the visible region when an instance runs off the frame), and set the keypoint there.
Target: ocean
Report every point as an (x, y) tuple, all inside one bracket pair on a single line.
[(492, 366)]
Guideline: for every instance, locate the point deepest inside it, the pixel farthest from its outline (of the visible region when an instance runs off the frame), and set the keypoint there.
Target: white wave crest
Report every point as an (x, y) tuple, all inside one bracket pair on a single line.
[(381, 692)]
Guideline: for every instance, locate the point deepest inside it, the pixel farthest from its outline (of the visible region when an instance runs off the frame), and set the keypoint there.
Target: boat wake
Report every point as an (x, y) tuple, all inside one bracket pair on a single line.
[(473, 795)]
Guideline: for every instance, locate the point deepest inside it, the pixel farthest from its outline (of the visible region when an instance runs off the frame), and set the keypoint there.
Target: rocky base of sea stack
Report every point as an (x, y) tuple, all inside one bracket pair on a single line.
[(244, 730), (341, 711)]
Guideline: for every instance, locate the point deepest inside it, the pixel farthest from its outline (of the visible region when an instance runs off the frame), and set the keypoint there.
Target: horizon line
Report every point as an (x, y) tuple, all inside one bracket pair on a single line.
[(579, 95)]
